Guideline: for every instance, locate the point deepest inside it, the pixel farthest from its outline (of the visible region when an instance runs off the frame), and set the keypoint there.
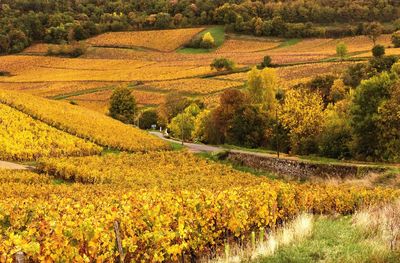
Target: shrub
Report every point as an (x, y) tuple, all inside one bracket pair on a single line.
[(378, 51), (72, 51), (122, 105), (222, 64), (267, 62), (207, 41), (341, 50)]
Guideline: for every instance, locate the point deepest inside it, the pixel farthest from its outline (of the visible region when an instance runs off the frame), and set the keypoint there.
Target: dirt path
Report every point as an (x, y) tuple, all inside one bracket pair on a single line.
[(13, 166)]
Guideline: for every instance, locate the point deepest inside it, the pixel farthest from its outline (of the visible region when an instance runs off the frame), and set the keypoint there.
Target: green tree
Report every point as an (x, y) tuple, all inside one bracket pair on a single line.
[(148, 118), (388, 124), (122, 105), (341, 50), (247, 127), (378, 51), (364, 113), (4, 44)]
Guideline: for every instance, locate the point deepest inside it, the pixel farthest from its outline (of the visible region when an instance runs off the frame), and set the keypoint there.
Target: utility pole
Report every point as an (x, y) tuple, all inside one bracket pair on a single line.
[(182, 128), (277, 131)]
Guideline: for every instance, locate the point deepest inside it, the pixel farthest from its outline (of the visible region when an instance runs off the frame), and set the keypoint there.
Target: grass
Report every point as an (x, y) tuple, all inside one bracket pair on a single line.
[(216, 158), (218, 32), (289, 42), (81, 92), (333, 240)]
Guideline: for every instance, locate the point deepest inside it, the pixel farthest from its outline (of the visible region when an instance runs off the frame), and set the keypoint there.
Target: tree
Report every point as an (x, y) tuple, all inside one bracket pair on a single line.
[(341, 50), (388, 124), (373, 31), (4, 44), (148, 118), (335, 139), (378, 51), (207, 41), (222, 63), (247, 127), (201, 126), (267, 62), (396, 39), (122, 105), (302, 114), (183, 125), (356, 73), (364, 112), (173, 104), (262, 85), (230, 101), (322, 84)]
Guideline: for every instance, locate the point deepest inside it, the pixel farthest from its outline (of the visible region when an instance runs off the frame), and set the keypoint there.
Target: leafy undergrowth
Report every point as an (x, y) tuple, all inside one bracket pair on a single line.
[(335, 240)]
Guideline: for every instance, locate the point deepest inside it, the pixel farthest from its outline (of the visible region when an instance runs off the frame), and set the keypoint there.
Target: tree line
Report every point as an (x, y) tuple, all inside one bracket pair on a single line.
[(57, 21)]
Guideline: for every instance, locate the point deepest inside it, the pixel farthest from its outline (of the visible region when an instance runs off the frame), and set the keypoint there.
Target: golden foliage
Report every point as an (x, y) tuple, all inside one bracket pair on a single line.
[(23, 139), (161, 40), (167, 204), (83, 123)]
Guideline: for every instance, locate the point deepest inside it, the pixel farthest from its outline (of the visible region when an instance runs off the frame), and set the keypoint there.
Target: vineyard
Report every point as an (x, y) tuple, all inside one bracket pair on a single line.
[(106, 191), (23, 139), (83, 123), (169, 206), (171, 39)]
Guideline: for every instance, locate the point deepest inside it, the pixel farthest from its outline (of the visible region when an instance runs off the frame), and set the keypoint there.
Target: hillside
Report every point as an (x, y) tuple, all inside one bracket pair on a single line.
[(199, 131)]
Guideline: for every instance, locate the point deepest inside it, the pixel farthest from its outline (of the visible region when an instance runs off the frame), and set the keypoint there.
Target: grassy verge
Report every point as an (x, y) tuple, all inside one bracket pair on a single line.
[(216, 158), (334, 240), (218, 32)]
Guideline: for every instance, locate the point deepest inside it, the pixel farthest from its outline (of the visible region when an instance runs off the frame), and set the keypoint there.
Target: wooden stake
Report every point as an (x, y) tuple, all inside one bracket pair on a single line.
[(119, 241), (19, 257)]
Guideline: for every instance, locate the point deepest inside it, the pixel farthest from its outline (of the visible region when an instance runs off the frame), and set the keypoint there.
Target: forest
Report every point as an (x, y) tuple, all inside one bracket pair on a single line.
[(23, 22)]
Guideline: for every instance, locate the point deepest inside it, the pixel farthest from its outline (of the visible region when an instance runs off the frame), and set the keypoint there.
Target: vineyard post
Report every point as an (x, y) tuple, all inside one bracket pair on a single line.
[(119, 241), (20, 257)]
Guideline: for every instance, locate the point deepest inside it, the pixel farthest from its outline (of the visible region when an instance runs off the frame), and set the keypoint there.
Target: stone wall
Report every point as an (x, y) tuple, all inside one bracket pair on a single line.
[(300, 168)]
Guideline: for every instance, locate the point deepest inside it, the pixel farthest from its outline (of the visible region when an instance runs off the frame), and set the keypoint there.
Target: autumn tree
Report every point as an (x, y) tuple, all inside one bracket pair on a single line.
[(122, 105), (302, 114), (183, 125), (262, 86), (207, 41)]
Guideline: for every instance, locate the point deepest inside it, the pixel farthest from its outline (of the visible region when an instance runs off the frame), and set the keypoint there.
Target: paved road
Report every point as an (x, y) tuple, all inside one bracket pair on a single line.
[(193, 147), (13, 166)]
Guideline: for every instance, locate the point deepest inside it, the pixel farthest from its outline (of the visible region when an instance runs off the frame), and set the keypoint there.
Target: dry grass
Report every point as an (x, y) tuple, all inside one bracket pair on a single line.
[(263, 245), (161, 40), (381, 222)]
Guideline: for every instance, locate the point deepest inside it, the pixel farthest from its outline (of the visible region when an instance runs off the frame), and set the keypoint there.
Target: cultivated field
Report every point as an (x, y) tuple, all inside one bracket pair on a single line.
[(197, 205), (83, 123), (160, 40)]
